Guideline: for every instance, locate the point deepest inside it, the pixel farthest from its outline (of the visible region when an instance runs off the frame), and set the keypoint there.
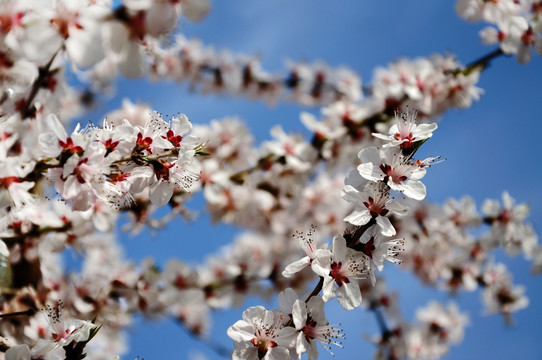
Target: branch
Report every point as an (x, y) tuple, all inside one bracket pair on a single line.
[(381, 321), (483, 61), (28, 312), (138, 157), (218, 348), (35, 232), (43, 73)]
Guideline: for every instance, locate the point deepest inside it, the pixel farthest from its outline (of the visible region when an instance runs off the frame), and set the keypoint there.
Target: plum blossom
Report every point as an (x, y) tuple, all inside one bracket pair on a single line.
[(312, 326), (13, 188), (372, 202), (55, 141), (79, 23), (500, 294), (508, 225), (378, 249), (261, 334), (510, 37), (405, 132), (297, 153), (447, 323), (61, 332), (438, 327), (310, 246), (345, 267), (390, 166)]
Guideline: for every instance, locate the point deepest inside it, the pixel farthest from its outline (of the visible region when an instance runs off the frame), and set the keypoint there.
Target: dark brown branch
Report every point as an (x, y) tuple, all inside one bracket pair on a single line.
[(483, 61), (35, 232), (43, 73), (28, 312)]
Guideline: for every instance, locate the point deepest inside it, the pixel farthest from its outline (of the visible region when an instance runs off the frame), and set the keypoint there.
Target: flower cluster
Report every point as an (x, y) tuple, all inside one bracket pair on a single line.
[(436, 328), (286, 333), (103, 165), (516, 26), (356, 179)]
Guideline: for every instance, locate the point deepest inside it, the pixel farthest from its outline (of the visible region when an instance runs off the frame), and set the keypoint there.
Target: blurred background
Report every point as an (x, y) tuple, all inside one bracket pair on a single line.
[(491, 147)]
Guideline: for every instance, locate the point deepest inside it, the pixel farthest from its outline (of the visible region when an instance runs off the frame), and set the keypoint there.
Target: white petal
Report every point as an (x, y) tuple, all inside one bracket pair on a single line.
[(286, 299), (160, 193), (85, 47), (328, 291), (131, 64), (414, 189), (339, 248), (358, 217), (299, 313), (18, 352), (349, 295), (386, 227), (241, 331), (195, 10), (296, 266)]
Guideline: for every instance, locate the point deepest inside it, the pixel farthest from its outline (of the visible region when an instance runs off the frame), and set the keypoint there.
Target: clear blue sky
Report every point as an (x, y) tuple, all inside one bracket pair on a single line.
[(491, 147)]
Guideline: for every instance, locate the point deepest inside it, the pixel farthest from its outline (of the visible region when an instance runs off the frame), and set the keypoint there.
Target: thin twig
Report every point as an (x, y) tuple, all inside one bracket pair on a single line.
[(43, 73), (27, 312), (218, 348), (484, 60), (35, 232), (381, 321)]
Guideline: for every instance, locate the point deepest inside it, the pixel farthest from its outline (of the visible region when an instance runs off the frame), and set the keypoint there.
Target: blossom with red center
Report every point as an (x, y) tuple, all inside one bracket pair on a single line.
[(18, 190), (310, 247), (379, 248), (174, 139), (508, 225), (405, 132), (69, 147), (55, 140), (143, 143), (261, 334), (312, 326), (62, 332), (388, 165), (297, 153), (110, 146), (344, 268), (372, 202)]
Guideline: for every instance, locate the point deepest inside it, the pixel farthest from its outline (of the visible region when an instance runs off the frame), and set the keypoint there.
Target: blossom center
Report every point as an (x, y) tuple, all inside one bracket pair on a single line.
[(368, 248), (375, 208), (263, 344), (310, 329), (396, 175), (337, 274), (408, 137)]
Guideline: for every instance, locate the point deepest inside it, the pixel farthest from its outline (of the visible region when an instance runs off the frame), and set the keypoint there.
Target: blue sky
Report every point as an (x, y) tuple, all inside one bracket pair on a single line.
[(491, 147)]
